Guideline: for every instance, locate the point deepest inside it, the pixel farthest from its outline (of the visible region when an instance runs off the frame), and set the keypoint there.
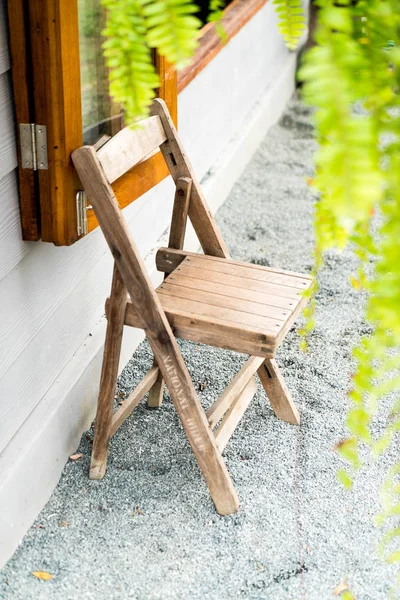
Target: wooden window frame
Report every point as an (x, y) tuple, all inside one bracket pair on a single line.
[(44, 43)]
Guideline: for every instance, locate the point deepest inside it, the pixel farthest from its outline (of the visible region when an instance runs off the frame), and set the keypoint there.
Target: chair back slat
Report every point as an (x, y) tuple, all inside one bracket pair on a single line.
[(130, 146)]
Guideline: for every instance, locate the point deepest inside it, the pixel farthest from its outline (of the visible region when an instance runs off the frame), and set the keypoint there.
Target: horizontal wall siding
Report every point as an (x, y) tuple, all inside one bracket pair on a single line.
[(49, 303), (4, 50), (12, 247), (8, 151)]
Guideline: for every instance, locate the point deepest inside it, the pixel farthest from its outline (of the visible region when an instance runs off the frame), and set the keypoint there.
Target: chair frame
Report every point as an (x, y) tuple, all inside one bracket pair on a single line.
[(97, 171)]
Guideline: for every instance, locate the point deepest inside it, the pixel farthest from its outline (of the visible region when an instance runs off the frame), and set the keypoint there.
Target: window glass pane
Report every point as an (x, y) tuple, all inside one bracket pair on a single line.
[(101, 116)]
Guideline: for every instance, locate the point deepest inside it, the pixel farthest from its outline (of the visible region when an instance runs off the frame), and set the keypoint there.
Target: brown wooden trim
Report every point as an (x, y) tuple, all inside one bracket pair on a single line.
[(57, 98), (236, 15), (22, 85)]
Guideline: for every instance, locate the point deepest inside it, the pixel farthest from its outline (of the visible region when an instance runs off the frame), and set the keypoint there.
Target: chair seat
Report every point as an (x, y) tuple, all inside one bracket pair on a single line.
[(233, 305)]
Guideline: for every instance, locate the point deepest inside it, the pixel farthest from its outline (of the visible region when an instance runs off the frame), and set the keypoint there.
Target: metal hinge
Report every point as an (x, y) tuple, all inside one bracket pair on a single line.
[(81, 213), (33, 140)]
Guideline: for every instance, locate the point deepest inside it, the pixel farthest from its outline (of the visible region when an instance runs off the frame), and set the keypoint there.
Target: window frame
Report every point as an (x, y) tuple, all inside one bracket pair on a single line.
[(45, 57), (44, 44)]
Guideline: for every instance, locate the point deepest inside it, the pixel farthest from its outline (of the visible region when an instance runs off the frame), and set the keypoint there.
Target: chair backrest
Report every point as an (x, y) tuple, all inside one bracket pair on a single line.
[(130, 146)]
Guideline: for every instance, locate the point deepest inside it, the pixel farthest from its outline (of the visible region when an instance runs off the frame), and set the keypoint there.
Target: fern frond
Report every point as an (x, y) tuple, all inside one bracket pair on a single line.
[(132, 73), (291, 21), (172, 28), (215, 16)]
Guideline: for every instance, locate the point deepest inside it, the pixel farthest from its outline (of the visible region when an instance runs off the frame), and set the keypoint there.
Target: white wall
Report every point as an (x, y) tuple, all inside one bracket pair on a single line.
[(51, 299)]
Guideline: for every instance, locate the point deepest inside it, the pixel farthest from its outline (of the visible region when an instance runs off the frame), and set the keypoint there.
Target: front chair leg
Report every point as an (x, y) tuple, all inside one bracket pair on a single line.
[(277, 392), (109, 374)]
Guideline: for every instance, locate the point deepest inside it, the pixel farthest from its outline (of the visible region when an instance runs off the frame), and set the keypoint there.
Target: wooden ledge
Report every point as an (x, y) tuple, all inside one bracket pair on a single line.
[(235, 17)]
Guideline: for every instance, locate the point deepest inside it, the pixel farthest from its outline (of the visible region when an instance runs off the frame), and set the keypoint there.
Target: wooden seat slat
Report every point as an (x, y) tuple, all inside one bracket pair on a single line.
[(232, 291), (237, 281), (222, 313), (225, 301), (167, 259), (246, 272), (223, 334)]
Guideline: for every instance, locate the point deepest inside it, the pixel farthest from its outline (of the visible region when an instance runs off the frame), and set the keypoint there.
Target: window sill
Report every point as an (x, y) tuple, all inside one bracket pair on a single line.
[(235, 17)]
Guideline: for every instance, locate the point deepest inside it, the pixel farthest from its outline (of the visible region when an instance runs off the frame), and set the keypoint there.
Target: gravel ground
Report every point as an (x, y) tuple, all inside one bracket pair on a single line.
[(149, 529)]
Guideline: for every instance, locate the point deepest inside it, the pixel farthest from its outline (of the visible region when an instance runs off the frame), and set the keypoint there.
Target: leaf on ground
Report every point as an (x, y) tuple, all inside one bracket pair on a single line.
[(76, 456), (136, 511), (42, 575), (64, 524), (342, 587)]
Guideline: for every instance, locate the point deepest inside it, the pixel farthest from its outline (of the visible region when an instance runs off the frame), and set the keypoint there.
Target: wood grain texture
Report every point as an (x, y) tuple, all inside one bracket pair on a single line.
[(234, 414), (277, 392), (24, 112), (109, 374), (180, 212), (216, 314), (203, 222), (168, 259), (238, 281), (221, 334), (158, 330), (157, 390), (233, 390), (133, 399), (57, 104), (130, 146), (222, 299), (231, 291), (176, 240), (236, 15)]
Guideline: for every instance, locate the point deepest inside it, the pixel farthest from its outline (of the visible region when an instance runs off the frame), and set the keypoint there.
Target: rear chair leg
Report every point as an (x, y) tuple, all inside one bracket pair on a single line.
[(157, 391), (109, 374), (277, 392)]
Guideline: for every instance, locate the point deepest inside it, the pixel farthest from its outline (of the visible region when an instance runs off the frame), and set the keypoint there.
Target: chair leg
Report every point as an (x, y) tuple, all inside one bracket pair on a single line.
[(157, 391), (109, 374), (277, 392), (197, 428)]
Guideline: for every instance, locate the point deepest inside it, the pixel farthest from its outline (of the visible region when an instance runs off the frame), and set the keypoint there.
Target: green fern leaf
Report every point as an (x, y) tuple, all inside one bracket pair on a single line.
[(172, 28), (291, 21), (132, 73)]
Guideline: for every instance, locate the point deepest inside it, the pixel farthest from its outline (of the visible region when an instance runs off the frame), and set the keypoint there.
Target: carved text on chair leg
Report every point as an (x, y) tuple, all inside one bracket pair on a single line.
[(277, 392), (109, 374), (196, 426)]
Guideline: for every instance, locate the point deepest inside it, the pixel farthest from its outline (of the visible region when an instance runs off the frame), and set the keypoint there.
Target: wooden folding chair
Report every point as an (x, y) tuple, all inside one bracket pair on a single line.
[(206, 298)]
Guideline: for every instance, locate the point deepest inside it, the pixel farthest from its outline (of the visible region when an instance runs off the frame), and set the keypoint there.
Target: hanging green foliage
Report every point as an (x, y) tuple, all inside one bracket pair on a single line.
[(132, 73), (133, 28), (352, 77), (172, 28), (291, 21)]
